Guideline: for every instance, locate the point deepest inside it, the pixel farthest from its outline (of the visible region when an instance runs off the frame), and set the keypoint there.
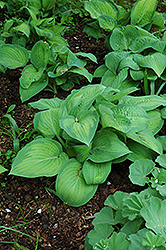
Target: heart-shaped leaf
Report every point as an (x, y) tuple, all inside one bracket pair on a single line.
[(41, 157), (82, 127), (96, 173), (107, 22), (106, 147), (118, 40), (30, 74), (13, 56), (71, 187)]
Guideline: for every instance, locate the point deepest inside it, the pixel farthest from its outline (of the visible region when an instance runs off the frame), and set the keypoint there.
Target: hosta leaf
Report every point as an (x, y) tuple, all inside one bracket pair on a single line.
[(24, 28), (46, 103), (107, 22), (109, 119), (40, 54), (82, 152), (146, 138), (82, 127), (155, 61), (82, 71), (118, 40), (96, 173), (2, 169), (46, 32), (34, 88), (148, 102), (161, 160), (47, 4), (120, 94), (88, 55), (134, 113), (30, 74), (143, 42), (113, 59), (72, 60), (137, 74), (41, 157), (89, 93), (136, 240), (142, 12), (99, 72), (100, 8), (128, 62), (13, 56), (106, 147), (47, 122), (155, 216), (139, 171), (156, 122), (71, 187)]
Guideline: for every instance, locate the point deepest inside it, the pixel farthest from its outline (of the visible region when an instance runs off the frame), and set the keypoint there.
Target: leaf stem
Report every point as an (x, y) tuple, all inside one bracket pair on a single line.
[(146, 87)]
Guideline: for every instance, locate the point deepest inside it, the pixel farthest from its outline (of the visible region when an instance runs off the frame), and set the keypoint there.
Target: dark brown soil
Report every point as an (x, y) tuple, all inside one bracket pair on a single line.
[(43, 215)]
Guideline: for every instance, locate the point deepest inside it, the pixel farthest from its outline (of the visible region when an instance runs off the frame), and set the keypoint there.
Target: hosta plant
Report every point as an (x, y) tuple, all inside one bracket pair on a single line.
[(83, 135), (50, 66)]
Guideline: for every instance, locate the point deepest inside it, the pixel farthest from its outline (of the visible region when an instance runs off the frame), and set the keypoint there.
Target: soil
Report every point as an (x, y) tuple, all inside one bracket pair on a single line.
[(25, 204)]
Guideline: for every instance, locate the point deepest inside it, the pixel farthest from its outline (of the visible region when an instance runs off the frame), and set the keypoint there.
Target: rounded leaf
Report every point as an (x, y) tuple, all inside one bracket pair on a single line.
[(71, 187)]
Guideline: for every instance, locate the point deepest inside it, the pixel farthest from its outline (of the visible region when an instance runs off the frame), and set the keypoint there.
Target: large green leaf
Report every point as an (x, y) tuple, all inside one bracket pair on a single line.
[(71, 187), (82, 127), (115, 201), (40, 54), (41, 157), (146, 138), (47, 122), (46, 103), (88, 55), (97, 8), (148, 102), (142, 12), (156, 122), (109, 119), (139, 171), (82, 71), (96, 173), (134, 113), (161, 159), (155, 216), (30, 74), (143, 42), (155, 61), (34, 88), (13, 56), (24, 28), (73, 60), (106, 147), (118, 40), (107, 22)]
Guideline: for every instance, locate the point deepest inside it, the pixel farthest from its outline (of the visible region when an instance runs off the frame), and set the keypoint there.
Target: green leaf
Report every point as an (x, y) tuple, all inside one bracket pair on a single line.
[(136, 240), (82, 71), (12, 123), (118, 40), (139, 171), (99, 72), (155, 61), (88, 55), (156, 122), (146, 138), (142, 12), (106, 147), (82, 152), (128, 62), (47, 122), (13, 56), (115, 201), (46, 103), (100, 8), (24, 28), (109, 119), (82, 127), (34, 88), (134, 113), (96, 173), (132, 227), (41, 157), (107, 22), (47, 4), (155, 216), (2, 169), (161, 160), (30, 74), (148, 102), (153, 240), (72, 60), (71, 187), (143, 42), (40, 54)]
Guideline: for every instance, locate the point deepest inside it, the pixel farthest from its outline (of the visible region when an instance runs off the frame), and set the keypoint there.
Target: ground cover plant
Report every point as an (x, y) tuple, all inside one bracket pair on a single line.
[(96, 129)]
